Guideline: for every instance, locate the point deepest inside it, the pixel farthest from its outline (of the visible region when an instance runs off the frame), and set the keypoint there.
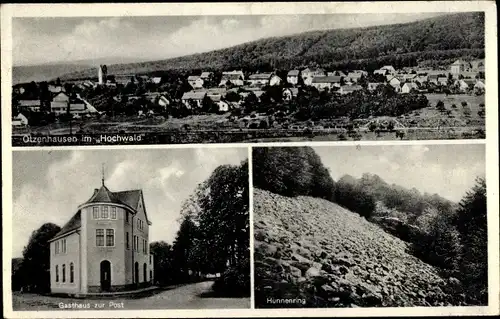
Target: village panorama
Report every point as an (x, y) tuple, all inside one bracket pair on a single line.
[(405, 90)]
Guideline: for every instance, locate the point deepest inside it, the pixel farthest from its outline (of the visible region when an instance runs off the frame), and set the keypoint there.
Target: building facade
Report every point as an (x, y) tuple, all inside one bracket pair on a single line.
[(104, 247)]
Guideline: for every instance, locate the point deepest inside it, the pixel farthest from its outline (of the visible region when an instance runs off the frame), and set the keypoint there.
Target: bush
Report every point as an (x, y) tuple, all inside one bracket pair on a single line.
[(234, 282)]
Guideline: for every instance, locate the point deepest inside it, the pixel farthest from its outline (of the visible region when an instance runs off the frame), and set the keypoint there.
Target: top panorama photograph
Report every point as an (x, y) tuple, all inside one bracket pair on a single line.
[(247, 78)]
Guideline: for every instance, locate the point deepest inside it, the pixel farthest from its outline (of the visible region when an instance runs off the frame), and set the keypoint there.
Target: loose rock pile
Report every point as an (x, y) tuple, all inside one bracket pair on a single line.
[(312, 249)]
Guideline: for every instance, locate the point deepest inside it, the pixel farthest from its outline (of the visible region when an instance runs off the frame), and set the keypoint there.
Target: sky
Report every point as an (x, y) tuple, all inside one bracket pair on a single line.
[(64, 39), (49, 185), (449, 170)]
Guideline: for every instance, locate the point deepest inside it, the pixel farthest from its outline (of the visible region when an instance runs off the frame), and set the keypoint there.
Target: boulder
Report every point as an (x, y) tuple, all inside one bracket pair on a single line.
[(312, 272)]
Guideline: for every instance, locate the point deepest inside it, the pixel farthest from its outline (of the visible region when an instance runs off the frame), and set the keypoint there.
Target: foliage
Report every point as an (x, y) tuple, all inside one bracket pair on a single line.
[(291, 171), (34, 271), (166, 271), (471, 224), (234, 282)]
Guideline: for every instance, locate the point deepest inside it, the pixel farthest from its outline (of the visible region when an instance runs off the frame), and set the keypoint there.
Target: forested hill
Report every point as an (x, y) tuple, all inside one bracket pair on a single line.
[(409, 201), (434, 40)]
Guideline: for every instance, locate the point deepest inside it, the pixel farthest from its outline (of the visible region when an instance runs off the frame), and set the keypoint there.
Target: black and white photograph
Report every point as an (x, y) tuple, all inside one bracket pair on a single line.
[(130, 229), (370, 226), (248, 78)]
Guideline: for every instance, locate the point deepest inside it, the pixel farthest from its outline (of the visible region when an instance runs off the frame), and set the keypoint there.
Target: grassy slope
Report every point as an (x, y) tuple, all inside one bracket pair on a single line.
[(314, 249), (441, 34)]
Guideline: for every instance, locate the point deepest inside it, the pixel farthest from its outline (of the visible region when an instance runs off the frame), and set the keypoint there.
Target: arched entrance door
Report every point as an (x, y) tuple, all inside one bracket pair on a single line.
[(136, 272), (145, 272), (105, 275)]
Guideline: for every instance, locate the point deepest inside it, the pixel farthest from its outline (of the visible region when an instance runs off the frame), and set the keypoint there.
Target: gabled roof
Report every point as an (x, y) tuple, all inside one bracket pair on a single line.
[(326, 79), (231, 76), (260, 76), (193, 78), (29, 102), (293, 73), (194, 95), (74, 223), (205, 74), (354, 75)]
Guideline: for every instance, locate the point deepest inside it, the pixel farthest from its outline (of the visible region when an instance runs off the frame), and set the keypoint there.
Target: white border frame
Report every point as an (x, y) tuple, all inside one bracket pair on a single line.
[(59, 10)]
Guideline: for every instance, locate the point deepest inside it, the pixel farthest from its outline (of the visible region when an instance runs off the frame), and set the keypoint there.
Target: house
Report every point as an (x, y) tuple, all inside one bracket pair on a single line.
[(461, 85), (409, 77), (477, 65), (326, 82), (347, 89), (309, 74), (293, 77), (395, 82), (389, 69), (442, 80), (372, 86), (62, 101), (460, 66), (192, 98), (354, 77), (382, 72), (479, 86), (421, 79), (163, 101), (260, 79), (32, 105), (408, 87), (55, 88), (235, 78), (195, 81), (206, 76), (433, 78), (124, 79), (336, 73), (104, 246), (222, 105), (290, 93), (20, 120), (156, 79)]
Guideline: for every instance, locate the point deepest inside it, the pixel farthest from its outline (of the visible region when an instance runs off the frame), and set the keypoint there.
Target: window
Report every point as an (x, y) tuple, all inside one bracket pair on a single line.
[(99, 237), (150, 259), (57, 273), (63, 246), (128, 241), (104, 212), (110, 237), (113, 212), (64, 273), (71, 273), (136, 243), (56, 245), (126, 217), (95, 212)]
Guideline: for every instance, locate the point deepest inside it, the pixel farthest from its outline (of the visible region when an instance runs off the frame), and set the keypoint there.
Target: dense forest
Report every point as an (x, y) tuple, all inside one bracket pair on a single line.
[(434, 41), (452, 237)]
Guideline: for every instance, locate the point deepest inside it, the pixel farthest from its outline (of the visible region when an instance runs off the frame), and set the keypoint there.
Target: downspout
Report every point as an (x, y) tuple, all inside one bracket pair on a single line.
[(79, 263), (133, 249)]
